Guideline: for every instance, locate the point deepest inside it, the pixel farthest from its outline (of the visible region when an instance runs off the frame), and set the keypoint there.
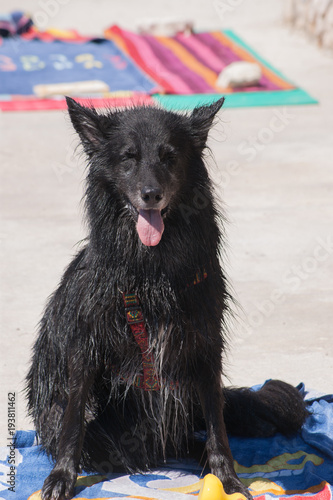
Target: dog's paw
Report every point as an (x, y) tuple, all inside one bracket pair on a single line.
[(235, 486), (59, 485), (231, 484)]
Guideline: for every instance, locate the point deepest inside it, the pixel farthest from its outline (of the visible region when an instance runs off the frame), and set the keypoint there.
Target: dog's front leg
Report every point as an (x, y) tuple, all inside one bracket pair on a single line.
[(218, 451), (59, 485)]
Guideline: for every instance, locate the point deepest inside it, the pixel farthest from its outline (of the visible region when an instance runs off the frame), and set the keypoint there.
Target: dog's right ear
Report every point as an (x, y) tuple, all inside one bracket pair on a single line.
[(202, 120), (90, 126)]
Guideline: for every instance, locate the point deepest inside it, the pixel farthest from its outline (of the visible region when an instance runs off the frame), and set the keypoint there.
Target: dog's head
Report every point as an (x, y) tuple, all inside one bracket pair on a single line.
[(145, 153)]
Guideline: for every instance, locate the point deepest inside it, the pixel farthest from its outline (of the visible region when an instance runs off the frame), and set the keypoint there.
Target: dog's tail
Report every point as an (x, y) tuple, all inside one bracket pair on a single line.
[(276, 407)]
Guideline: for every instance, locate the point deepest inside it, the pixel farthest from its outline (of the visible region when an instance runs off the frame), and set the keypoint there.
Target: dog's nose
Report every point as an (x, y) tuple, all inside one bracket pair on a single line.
[(151, 195)]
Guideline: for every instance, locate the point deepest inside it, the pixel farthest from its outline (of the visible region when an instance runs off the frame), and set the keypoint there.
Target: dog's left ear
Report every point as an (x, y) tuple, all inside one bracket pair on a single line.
[(202, 120)]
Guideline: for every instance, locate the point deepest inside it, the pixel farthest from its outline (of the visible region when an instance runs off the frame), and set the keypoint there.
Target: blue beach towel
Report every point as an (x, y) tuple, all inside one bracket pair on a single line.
[(26, 63), (295, 468)]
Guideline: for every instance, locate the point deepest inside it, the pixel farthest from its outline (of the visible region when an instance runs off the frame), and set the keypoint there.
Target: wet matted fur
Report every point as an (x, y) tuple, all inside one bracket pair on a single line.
[(153, 228)]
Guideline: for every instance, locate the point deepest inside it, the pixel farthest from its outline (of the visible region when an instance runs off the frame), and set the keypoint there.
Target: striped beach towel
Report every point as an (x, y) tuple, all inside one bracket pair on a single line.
[(191, 64)]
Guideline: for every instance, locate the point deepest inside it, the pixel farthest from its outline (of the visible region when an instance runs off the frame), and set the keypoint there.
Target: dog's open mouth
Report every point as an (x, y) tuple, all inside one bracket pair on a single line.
[(150, 227)]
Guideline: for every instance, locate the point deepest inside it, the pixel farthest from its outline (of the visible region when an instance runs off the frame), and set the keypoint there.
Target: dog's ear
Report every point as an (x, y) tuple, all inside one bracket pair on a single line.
[(201, 121), (90, 126)]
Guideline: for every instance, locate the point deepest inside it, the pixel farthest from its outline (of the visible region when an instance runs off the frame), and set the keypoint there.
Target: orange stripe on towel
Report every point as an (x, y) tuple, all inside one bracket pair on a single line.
[(118, 40), (189, 60)]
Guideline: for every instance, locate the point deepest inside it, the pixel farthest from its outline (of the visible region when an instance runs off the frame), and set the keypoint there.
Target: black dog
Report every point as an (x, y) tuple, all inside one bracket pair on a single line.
[(128, 363)]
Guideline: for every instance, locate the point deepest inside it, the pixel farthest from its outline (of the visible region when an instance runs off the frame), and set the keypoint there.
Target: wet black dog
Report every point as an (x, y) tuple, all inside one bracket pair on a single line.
[(128, 361)]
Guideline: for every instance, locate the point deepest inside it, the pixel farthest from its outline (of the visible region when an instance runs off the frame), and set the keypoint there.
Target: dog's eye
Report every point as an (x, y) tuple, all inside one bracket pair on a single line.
[(167, 154), (130, 154)]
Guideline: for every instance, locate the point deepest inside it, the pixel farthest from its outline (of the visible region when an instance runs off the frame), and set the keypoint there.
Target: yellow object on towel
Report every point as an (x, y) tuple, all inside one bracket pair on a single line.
[(212, 489)]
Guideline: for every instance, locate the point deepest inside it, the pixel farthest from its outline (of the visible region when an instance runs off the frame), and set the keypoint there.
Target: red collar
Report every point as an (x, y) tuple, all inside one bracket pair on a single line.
[(149, 380)]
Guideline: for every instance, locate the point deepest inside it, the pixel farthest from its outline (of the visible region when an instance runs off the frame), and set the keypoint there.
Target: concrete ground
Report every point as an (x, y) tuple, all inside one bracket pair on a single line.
[(273, 172)]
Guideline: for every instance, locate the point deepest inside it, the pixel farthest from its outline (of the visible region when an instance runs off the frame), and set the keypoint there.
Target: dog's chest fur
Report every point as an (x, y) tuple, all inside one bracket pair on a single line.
[(174, 339)]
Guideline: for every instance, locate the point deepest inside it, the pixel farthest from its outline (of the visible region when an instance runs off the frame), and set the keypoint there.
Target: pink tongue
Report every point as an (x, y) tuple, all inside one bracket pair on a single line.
[(150, 227)]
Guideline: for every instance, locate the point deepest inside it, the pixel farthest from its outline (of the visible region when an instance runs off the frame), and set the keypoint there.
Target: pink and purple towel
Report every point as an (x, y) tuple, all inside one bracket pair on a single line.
[(191, 64)]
